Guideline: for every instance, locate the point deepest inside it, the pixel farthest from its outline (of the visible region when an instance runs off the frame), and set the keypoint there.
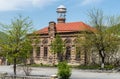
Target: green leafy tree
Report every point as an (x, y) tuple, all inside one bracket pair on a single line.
[(83, 44), (64, 71), (57, 47), (18, 44), (104, 40)]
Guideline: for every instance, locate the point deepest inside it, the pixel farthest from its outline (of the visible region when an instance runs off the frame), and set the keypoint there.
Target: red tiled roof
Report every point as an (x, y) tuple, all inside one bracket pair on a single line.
[(68, 27)]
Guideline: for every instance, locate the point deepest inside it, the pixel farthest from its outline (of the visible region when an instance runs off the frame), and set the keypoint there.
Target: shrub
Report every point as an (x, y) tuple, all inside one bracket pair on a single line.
[(89, 67), (42, 65), (64, 71), (27, 70), (109, 67)]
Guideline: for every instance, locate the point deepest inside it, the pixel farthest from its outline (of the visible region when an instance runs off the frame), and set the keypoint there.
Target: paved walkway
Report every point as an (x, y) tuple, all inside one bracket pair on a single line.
[(76, 74)]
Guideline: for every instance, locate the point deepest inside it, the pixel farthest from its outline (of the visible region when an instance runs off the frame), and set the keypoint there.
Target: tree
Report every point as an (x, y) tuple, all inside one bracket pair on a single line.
[(17, 45), (83, 45), (104, 40), (24, 54), (57, 47)]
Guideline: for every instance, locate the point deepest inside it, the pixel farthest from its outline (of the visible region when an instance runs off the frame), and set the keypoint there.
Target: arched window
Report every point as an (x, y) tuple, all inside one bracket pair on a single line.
[(68, 41), (75, 41), (58, 56), (78, 53), (68, 53), (45, 52), (45, 41), (38, 52)]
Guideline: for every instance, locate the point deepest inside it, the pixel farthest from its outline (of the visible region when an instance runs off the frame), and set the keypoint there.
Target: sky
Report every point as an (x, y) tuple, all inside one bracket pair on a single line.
[(41, 12)]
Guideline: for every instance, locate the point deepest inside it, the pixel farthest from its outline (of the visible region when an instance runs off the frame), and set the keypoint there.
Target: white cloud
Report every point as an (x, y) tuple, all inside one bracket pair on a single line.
[(87, 2), (6, 5)]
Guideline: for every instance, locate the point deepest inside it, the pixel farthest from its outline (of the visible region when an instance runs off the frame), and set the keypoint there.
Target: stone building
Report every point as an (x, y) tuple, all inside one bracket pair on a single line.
[(67, 31)]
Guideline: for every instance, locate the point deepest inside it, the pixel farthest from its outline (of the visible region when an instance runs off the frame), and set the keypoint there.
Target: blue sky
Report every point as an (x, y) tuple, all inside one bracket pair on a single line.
[(43, 11)]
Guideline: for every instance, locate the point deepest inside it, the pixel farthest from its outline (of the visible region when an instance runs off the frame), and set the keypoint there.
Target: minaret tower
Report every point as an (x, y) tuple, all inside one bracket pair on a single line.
[(61, 10)]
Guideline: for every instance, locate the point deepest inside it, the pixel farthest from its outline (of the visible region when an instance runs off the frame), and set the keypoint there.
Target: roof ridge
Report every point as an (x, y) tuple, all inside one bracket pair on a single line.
[(71, 22)]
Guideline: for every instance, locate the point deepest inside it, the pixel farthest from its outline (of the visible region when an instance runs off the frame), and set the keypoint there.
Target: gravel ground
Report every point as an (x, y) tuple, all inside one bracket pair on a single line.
[(76, 74)]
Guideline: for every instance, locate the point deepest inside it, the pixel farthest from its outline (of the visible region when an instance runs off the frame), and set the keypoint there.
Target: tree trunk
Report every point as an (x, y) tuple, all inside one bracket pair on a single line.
[(102, 54), (54, 60), (14, 66), (103, 62)]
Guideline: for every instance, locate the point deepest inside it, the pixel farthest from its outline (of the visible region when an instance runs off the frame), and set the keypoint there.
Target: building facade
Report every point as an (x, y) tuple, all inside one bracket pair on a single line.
[(67, 31)]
